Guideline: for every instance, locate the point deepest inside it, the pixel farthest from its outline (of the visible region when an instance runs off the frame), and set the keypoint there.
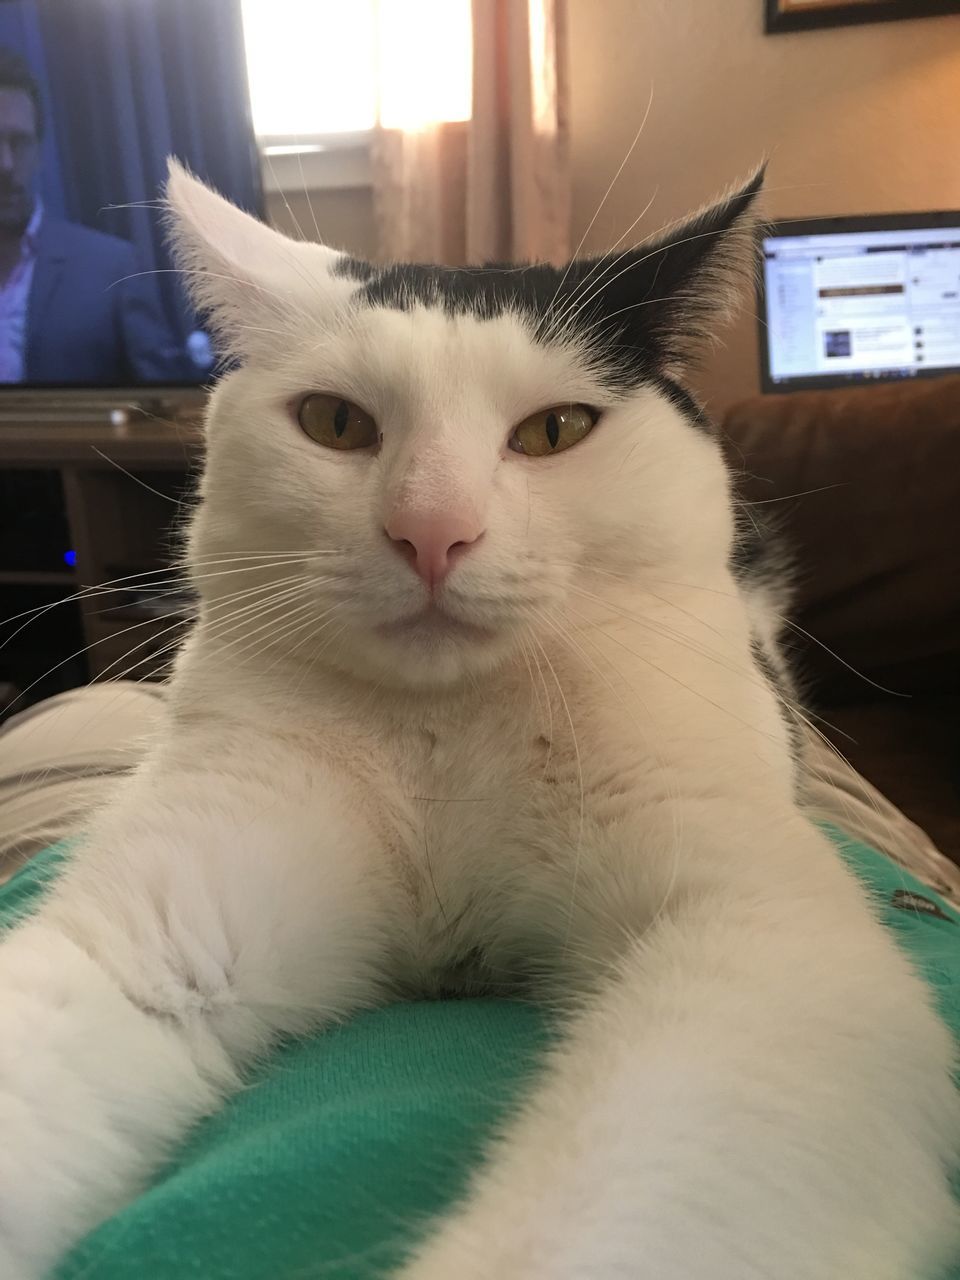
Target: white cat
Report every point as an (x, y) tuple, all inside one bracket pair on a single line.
[(463, 535)]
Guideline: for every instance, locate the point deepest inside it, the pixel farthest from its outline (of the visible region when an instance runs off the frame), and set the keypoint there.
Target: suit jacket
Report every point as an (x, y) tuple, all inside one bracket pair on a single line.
[(92, 319)]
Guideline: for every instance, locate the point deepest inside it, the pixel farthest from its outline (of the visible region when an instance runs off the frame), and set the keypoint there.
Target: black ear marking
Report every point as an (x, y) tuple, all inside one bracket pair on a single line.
[(659, 304), (644, 314)]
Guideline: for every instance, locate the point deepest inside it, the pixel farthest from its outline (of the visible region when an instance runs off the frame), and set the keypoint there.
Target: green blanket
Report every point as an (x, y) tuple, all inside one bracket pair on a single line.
[(346, 1144)]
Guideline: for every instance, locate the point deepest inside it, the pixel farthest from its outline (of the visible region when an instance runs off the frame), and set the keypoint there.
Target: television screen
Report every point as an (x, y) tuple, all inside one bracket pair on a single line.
[(94, 95), (847, 300)]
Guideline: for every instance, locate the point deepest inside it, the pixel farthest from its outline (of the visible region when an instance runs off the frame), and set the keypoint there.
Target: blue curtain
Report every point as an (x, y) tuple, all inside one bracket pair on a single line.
[(131, 82)]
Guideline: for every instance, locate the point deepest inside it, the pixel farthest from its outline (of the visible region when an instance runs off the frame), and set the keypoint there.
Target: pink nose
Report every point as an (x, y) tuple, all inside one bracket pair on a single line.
[(432, 543)]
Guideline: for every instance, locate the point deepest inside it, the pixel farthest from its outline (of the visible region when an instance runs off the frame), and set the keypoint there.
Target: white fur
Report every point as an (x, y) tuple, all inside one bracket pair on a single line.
[(752, 1085)]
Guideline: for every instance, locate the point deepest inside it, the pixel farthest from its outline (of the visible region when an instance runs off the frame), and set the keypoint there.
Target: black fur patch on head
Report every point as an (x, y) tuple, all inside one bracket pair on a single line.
[(751, 541), (353, 268), (785, 697), (686, 403), (761, 563), (642, 312)]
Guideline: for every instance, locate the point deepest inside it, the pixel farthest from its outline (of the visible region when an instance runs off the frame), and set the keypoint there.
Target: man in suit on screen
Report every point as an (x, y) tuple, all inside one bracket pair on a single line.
[(74, 306)]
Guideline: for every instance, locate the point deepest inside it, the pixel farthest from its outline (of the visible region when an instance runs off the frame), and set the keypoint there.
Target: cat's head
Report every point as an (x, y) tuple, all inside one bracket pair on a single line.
[(440, 466)]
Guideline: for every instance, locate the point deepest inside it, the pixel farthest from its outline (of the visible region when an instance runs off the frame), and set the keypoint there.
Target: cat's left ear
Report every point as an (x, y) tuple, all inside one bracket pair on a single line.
[(250, 282), (664, 301)]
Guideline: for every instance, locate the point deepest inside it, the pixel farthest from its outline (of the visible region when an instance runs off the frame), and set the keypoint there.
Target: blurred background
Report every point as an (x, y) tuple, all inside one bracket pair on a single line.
[(857, 118), (470, 131)]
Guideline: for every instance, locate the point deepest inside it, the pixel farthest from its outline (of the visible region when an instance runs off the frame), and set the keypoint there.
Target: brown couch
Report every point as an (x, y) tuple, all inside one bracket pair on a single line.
[(865, 486)]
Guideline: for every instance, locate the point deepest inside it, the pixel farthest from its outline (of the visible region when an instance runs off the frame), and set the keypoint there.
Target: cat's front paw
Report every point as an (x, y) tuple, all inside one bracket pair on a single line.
[(28, 1083), (10, 1268), (90, 1087), (446, 1258), (467, 1248)]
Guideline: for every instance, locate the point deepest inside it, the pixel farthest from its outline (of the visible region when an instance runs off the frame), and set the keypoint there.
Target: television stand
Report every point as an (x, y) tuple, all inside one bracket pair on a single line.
[(111, 499), (99, 406)]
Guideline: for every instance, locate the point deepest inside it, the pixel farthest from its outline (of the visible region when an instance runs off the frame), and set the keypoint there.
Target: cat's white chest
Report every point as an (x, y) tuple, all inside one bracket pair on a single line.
[(475, 811), (467, 789)]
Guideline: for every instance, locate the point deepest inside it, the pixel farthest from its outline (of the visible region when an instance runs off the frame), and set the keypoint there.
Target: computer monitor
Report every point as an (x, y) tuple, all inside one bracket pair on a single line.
[(854, 300), (93, 98)]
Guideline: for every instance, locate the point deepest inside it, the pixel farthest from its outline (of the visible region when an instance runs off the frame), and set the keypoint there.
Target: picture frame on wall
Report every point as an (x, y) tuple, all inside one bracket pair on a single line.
[(805, 15)]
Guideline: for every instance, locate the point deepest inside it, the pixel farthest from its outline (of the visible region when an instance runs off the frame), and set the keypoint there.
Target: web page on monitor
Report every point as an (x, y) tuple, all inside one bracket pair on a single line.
[(868, 303)]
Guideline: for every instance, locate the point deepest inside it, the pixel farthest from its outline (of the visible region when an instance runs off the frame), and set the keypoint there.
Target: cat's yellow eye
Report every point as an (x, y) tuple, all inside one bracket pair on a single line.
[(336, 423), (553, 430)]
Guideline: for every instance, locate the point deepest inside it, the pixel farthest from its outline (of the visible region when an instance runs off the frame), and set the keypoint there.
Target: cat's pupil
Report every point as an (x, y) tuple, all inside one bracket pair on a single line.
[(553, 430), (340, 418)]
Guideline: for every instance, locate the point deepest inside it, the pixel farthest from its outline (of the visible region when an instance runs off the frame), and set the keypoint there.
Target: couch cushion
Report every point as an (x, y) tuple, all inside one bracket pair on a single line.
[(874, 526), (909, 748)]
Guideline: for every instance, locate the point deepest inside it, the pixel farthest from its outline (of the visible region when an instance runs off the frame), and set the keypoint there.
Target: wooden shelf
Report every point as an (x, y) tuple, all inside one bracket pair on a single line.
[(38, 578), (100, 446), (122, 488)]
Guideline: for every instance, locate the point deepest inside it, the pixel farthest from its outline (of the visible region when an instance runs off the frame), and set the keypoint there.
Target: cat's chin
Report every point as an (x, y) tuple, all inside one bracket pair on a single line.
[(428, 649), (431, 627)]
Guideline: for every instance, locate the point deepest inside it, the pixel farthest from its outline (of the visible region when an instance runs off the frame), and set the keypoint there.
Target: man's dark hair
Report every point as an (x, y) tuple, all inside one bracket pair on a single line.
[(15, 74)]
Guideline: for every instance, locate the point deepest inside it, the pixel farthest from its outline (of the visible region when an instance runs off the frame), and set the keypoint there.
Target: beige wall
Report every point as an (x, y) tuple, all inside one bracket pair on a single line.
[(855, 120), (344, 216)]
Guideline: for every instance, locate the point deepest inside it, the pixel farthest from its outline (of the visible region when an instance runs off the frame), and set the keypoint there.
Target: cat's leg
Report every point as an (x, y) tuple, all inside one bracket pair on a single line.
[(205, 914), (757, 1089)]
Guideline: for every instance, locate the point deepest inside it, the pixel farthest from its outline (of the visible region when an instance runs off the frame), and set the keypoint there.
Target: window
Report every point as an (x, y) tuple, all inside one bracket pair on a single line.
[(323, 72)]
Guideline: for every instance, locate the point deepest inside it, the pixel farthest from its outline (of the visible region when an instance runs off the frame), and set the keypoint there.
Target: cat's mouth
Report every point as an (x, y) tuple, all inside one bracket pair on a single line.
[(434, 623)]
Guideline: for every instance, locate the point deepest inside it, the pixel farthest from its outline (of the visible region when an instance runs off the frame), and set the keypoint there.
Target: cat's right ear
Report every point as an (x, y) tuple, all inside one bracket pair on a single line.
[(252, 285)]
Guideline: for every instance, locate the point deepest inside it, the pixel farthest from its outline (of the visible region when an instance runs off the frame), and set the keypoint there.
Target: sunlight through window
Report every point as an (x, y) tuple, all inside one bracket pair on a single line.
[(319, 67), (425, 56)]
